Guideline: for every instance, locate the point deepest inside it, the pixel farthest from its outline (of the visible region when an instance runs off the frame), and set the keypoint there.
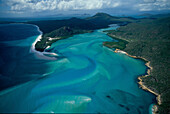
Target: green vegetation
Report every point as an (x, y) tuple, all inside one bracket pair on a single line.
[(100, 20), (106, 18), (121, 44), (74, 23), (60, 29), (150, 38), (61, 33)]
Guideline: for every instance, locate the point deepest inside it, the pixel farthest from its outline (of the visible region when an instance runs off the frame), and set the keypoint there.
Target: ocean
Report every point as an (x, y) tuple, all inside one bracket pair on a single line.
[(84, 77)]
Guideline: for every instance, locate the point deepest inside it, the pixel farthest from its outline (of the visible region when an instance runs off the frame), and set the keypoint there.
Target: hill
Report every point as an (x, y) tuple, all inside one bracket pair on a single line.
[(58, 34), (100, 20), (48, 26), (103, 18), (54, 28)]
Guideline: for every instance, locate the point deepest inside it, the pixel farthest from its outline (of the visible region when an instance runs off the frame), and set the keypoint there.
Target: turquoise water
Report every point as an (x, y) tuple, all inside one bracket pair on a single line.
[(85, 77)]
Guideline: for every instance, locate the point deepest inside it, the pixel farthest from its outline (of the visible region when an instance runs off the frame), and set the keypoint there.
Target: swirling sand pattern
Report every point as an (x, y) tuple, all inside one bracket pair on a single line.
[(87, 77)]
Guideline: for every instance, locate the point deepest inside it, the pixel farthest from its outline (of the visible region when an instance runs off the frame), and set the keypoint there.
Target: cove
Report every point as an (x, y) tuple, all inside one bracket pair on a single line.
[(86, 77)]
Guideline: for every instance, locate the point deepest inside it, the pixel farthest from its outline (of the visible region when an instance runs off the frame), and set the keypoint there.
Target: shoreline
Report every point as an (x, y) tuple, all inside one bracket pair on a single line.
[(41, 55), (141, 83), (38, 54)]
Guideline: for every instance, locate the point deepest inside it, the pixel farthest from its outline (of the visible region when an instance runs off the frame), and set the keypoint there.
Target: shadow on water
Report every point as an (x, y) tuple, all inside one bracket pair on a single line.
[(18, 65), (11, 32), (15, 60)]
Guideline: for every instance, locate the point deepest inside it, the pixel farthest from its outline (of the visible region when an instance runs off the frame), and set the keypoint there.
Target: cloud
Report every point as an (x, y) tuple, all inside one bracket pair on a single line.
[(40, 5), (67, 5), (149, 5)]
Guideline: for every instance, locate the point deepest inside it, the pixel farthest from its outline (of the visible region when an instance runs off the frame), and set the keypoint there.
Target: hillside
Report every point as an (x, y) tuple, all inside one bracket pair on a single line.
[(103, 18), (58, 34), (150, 38), (48, 26), (100, 20), (54, 28)]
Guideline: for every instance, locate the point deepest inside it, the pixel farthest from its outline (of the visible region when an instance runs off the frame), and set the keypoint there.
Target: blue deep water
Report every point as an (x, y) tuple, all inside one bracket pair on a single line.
[(86, 77)]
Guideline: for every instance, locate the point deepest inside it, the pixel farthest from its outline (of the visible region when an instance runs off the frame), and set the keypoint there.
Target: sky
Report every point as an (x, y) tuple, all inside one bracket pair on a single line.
[(38, 8)]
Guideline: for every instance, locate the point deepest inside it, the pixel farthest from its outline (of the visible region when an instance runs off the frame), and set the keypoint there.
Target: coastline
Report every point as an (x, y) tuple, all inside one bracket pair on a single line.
[(147, 63), (141, 83), (41, 55)]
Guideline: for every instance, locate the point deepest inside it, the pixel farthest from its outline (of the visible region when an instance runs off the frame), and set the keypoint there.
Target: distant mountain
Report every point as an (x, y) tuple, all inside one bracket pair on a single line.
[(50, 25), (85, 15), (100, 20), (59, 29), (102, 16), (160, 15), (146, 15), (152, 16)]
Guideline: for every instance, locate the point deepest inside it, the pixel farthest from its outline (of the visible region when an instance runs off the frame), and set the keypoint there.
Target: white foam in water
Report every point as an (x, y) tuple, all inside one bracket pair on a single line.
[(41, 54)]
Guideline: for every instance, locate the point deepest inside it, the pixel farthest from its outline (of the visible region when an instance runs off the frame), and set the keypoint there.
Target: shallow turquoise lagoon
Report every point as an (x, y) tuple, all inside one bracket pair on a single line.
[(85, 77)]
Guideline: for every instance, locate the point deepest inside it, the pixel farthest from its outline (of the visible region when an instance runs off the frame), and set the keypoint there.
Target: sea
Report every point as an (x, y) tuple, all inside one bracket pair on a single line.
[(84, 77)]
